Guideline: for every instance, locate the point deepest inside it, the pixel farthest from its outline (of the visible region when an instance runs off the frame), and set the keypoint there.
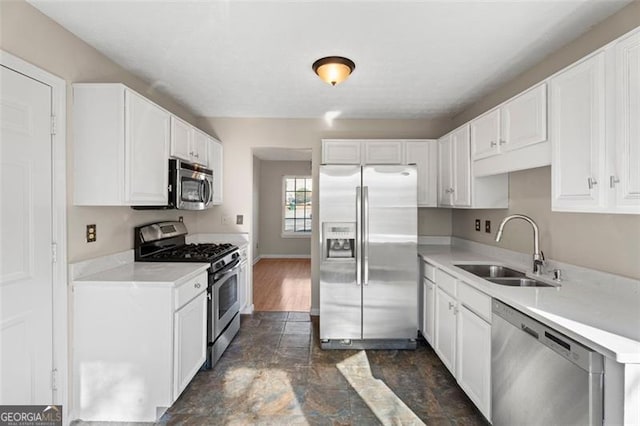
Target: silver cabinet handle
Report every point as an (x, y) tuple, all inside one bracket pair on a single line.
[(493, 143), (591, 182), (502, 142), (451, 190), (613, 180), (451, 305), (197, 285)]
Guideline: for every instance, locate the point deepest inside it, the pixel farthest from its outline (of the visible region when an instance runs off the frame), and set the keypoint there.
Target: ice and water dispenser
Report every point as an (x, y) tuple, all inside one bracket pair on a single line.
[(339, 240)]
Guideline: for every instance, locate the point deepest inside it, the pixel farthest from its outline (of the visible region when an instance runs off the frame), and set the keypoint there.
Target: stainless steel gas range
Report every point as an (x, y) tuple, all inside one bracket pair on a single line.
[(165, 242)]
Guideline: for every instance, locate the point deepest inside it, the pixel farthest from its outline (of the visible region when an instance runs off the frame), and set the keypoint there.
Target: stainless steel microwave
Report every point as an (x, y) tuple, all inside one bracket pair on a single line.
[(190, 187)]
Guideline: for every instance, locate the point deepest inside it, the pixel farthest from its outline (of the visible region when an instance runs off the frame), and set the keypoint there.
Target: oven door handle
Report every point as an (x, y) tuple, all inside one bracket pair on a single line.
[(227, 270)]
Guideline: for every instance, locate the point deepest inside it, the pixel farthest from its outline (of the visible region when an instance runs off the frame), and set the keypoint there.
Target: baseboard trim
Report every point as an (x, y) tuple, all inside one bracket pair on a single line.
[(284, 256)]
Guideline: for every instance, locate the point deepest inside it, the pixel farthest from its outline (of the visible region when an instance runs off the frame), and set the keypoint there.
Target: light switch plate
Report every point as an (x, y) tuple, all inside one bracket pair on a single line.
[(239, 219), (487, 226)]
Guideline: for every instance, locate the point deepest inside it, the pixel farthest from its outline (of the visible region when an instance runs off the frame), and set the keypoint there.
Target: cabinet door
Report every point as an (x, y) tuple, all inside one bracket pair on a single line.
[(577, 119), (428, 307), (242, 286), (215, 164), (473, 370), (147, 151), (625, 178), (461, 167), (485, 135), (382, 152), (445, 181), (424, 154), (190, 342), (199, 145), (181, 135), (524, 119), (341, 152), (445, 321)]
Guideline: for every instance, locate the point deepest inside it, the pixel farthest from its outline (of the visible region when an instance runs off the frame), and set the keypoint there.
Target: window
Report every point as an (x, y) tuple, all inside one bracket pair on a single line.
[(296, 217)]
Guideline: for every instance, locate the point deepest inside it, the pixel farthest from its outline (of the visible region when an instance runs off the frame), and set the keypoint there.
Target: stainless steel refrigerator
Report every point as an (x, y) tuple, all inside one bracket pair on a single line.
[(368, 266)]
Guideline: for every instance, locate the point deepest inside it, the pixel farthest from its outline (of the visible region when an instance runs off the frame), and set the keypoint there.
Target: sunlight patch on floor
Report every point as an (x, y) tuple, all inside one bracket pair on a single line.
[(387, 407)]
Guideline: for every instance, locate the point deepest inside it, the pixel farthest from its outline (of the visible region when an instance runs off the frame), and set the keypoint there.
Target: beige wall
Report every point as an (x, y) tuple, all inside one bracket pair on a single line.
[(32, 36), (240, 135), (606, 242), (434, 221), (270, 236)]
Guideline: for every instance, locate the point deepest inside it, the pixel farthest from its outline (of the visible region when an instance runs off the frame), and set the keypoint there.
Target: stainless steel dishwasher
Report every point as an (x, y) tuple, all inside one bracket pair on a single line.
[(539, 376)]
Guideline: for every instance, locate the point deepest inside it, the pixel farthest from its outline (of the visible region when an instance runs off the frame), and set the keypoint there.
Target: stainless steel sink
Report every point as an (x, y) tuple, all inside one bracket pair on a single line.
[(518, 282), (491, 271)]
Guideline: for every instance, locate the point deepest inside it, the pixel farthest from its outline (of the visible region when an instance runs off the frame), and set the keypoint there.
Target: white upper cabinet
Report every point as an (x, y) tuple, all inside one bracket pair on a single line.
[(359, 151), (341, 151), (524, 119), (461, 164), (457, 187), (577, 128), (594, 127), (424, 154), (181, 137), (189, 143), (485, 134), (199, 148), (215, 163), (121, 147), (512, 136), (382, 152), (624, 177)]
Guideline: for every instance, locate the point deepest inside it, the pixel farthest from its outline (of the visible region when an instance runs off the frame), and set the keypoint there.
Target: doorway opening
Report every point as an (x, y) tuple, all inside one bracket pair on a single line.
[(282, 225)]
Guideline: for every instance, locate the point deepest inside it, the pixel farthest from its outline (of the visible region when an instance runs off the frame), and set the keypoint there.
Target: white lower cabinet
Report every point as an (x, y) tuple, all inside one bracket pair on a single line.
[(428, 304), (457, 324), (473, 367), (243, 283), (445, 323), (136, 345), (190, 342)]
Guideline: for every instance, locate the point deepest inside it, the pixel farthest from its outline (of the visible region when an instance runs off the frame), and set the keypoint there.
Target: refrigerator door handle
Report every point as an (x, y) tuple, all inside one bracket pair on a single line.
[(365, 234), (358, 247)]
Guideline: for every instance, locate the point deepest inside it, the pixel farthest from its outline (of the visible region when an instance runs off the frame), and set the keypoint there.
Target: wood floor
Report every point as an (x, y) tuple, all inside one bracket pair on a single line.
[(282, 285)]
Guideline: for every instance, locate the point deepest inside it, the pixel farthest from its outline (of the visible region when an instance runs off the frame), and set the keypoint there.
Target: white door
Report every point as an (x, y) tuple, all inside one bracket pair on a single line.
[(382, 152), (26, 278), (428, 307), (190, 342), (524, 119), (181, 135)]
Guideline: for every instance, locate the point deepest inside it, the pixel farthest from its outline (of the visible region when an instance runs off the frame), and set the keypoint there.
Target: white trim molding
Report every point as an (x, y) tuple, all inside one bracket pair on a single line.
[(59, 219)]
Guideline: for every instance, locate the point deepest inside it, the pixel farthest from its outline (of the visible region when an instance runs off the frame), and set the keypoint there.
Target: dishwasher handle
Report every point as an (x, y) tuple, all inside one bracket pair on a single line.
[(530, 331)]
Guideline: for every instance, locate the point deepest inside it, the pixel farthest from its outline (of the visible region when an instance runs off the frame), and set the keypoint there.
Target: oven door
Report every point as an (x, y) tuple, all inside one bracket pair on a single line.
[(193, 190), (225, 300)]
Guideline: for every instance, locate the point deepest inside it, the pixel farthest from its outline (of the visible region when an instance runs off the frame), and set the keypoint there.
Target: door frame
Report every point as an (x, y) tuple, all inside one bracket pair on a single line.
[(58, 219)]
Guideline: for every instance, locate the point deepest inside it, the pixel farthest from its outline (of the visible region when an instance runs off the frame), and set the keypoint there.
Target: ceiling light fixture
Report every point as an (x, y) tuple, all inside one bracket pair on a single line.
[(333, 69)]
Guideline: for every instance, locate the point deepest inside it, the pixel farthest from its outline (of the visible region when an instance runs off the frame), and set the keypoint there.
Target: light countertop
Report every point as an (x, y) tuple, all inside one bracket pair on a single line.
[(147, 273), (602, 316)]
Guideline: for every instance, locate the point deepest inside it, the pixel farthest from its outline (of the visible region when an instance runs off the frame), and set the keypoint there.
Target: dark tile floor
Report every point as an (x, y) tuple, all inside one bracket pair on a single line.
[(274, 372)]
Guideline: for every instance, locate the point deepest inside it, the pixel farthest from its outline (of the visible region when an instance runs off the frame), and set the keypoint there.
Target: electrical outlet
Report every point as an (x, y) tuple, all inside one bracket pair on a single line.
[(180, 219), (487, 226), (239, 219), (91, 233), (478, 225)]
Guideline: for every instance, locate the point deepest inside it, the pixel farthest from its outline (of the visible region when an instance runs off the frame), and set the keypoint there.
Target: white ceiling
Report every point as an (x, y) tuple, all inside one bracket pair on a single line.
[(414, 59)]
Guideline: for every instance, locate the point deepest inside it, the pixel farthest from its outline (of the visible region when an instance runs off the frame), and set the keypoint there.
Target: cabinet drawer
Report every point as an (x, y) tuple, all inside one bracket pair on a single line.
[(446, 282), (429, 272), (190, 289), (475, 300)]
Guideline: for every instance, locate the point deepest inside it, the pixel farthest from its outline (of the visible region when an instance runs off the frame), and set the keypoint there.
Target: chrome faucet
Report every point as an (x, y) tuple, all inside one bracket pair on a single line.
[(538, 256)]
